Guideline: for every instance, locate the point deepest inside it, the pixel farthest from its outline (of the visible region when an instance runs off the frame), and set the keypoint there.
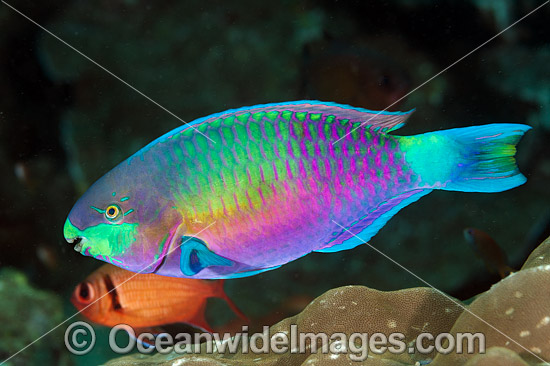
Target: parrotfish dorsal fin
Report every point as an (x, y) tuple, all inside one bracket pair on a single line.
[(383, 121), (388, 121)]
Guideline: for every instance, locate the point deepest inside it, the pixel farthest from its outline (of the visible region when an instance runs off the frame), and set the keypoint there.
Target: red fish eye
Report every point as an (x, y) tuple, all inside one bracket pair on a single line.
[(84, 292)]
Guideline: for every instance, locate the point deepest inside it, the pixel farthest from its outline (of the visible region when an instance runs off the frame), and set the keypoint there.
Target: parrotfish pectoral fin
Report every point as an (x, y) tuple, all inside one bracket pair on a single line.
[(482, 158), (195, 256), (369, 225)]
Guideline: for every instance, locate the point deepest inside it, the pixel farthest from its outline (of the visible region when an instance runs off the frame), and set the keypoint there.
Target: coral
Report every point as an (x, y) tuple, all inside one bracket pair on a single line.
[(539, 257), (27, 315), (513, 316), (513, 312), (497, 356), (347, 310)]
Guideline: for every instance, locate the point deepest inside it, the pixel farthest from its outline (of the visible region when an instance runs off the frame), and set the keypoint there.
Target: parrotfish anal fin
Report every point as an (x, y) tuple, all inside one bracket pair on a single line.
[(388, 121), (195, 256), (369, 225)]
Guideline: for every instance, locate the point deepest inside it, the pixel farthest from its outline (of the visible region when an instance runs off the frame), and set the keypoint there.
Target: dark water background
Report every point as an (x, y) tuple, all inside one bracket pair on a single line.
[(64, 122)]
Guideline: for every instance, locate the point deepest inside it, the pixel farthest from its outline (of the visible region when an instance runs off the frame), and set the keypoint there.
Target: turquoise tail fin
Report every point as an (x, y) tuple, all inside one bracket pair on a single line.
[(486, 157)]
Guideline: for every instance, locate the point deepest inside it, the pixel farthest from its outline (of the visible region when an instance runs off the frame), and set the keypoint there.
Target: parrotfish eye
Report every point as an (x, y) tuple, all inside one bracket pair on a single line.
[(84, 293), (113, 212)]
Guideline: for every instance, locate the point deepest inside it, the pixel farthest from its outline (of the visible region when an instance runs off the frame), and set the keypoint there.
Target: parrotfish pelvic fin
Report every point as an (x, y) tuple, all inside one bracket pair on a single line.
[(195, 256)]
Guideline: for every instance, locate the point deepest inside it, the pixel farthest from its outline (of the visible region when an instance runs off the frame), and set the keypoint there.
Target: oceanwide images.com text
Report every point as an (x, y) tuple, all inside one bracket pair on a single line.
[(80, 339)]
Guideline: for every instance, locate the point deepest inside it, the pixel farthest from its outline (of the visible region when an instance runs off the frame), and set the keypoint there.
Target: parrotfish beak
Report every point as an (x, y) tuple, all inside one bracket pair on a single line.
[(111, 244), (73, 235)]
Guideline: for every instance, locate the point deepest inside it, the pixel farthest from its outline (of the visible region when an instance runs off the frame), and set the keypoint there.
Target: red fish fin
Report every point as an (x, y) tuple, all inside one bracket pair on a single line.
[(219, 292), (199, 321)]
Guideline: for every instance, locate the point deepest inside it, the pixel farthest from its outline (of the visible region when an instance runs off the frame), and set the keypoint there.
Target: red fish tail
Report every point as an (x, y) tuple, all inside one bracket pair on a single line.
[(220, 292), (199, 321)]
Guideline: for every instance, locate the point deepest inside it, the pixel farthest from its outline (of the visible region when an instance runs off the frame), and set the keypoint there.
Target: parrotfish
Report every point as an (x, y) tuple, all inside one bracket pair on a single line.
[(489, 251), (112, 295), (247, 190)]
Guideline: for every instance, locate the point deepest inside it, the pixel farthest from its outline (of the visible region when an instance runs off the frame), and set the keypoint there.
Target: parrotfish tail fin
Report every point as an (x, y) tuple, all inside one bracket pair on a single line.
[(220, 292), (486, 160)]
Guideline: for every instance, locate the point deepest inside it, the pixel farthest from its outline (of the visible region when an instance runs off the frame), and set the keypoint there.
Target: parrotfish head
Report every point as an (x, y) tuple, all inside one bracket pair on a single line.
[(124, 220)]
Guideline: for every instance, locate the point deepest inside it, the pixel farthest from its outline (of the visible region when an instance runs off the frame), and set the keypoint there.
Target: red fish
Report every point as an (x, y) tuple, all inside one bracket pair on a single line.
[(488, 250), (112, 295)]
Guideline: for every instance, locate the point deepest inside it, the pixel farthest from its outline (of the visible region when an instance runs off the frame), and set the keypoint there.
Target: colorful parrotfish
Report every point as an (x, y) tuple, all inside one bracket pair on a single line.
[(250, 189)]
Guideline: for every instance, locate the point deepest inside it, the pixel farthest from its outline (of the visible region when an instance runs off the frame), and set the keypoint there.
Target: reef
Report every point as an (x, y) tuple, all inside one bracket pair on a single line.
[(513, 316), (64, 122), (29, 314)]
